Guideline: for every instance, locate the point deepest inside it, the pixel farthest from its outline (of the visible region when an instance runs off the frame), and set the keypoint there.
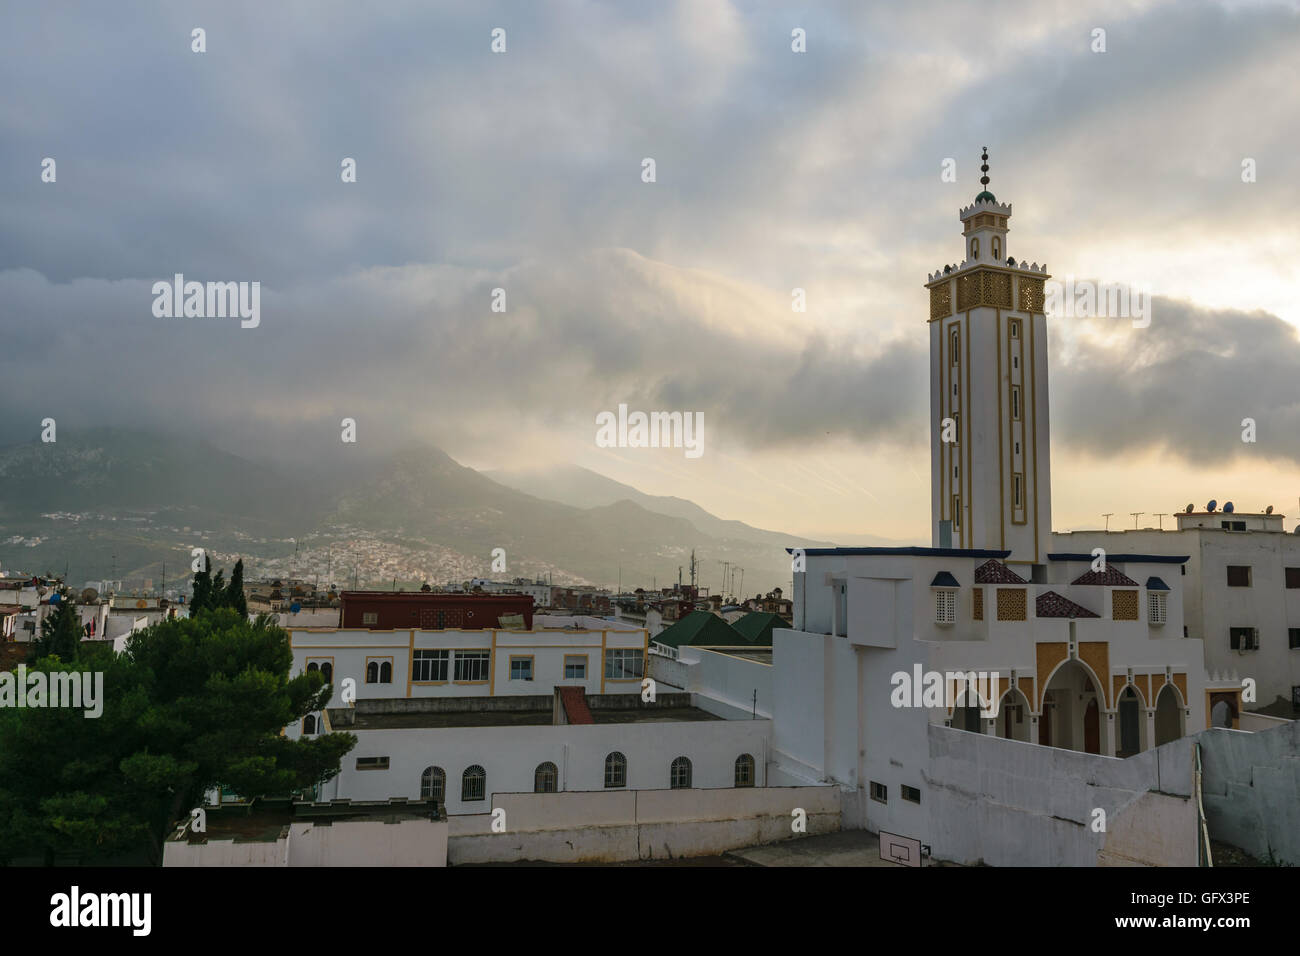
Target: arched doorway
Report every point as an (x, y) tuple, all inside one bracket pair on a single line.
[(1169, 716), (1132, 723), (1013, 716), (1069, 704)]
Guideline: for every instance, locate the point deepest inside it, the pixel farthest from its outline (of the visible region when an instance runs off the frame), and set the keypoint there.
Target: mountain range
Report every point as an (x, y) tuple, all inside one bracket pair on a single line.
[(120, 502)]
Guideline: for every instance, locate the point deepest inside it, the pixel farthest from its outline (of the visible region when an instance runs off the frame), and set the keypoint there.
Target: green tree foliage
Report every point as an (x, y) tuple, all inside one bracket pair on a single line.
[(201, 592), (191, 704), (235, 592), (212, 593), (60, 633)]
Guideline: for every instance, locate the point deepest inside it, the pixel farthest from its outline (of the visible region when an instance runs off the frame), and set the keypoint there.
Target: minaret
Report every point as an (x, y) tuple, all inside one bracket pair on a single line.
[(990, 466)]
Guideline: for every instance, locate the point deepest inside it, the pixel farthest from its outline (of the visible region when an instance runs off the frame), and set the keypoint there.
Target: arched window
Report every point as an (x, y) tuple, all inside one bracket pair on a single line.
[(433, 784), (313, 666), (974, 248), (473, 785), (328, 670), (309, 724), (744, 771), (545, 777), (372, 672), (679, 777), (386, 672), (616, 770), (997, 248)]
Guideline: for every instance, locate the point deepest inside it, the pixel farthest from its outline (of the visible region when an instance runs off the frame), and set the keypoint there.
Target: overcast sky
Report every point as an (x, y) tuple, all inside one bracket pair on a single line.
[(523, 171)]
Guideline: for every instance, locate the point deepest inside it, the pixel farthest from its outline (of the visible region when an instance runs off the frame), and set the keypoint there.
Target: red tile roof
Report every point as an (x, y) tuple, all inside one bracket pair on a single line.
[(576, 710), (1111, 577), (1051, 604), (994, 571)]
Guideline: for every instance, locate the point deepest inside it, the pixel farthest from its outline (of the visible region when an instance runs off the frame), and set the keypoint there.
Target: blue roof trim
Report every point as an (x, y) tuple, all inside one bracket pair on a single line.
[(944, 580), (1121, 558), (1155, 584), (906, 552)]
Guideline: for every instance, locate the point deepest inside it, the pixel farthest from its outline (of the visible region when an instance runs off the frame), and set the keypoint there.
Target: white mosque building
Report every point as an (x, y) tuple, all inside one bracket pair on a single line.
[(1076, 650)]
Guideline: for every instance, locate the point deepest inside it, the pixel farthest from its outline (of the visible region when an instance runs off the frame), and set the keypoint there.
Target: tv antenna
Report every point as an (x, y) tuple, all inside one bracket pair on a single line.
[(1160, 516), (1107, 517), (1136, 515)]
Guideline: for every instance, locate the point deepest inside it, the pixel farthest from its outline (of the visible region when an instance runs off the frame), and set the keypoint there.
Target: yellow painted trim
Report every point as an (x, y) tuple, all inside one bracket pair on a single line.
[(586, 666), (492, 665), (1033, 397), (945, 483), (410, 664), (968, 532), (531, 670), (951, 276), (603, 636), (351, 647), (366, 668), (1002, 504), (309, 660)]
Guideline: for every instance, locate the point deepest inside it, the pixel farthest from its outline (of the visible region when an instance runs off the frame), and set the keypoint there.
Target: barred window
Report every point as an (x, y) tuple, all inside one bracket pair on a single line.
[(430, 666), (473, 784), (1156, 607), (472, 665), (545, 777), (433, 784), (615, 770), (744, 771), (679, 775)]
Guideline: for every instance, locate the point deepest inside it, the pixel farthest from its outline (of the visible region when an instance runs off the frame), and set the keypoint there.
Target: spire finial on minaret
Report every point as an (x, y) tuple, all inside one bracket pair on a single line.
[(984, 180)]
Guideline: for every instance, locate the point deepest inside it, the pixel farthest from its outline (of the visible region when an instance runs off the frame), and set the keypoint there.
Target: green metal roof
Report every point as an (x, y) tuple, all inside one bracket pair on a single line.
[(701, 628), (756, 627)]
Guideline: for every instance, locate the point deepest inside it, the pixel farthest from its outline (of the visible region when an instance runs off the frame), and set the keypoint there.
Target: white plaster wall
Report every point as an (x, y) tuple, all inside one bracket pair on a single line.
[(630, 825), (368, 843), (1251, 783), (1007, 803), (225, 853), (510, 756)]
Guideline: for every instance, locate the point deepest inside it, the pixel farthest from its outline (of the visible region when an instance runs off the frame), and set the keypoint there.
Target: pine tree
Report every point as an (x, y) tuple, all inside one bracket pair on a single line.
[(201, 592), (61, 633), (235, 592)]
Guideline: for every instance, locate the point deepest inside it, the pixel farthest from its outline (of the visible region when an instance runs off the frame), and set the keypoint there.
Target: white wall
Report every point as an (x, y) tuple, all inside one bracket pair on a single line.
[(412, 842), (350, 650), (612, 826), (510, 755)]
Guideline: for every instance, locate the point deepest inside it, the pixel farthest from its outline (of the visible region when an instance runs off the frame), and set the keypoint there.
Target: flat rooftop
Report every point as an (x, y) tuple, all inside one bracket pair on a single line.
[(264, 821), (509, 718), (761, 654)]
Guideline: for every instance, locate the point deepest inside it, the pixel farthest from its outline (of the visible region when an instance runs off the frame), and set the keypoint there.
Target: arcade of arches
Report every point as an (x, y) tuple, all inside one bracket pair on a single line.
[(1075, 716)]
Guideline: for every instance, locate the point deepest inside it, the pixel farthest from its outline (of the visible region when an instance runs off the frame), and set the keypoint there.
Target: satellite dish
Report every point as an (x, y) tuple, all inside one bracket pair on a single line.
[(1190, 507), (1227, 507), (1211, 506), (1268, 510)]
